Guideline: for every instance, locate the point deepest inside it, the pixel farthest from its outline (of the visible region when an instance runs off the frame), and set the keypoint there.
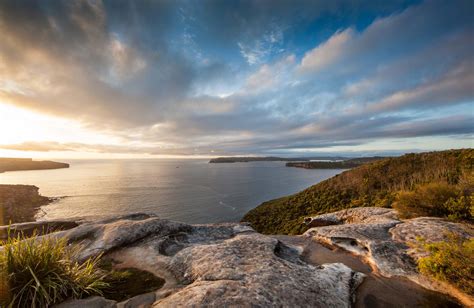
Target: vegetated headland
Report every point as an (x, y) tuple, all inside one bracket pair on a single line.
[(21, 164), (19, 203), (338, 164), (383, 183), (242, 159)]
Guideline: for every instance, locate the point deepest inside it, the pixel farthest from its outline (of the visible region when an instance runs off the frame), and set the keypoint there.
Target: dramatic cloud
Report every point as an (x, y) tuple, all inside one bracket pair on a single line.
[(252, 77), (328, 52)]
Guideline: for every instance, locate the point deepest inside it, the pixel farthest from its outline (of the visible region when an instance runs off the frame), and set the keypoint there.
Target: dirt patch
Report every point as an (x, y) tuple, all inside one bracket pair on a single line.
[(128, 282)]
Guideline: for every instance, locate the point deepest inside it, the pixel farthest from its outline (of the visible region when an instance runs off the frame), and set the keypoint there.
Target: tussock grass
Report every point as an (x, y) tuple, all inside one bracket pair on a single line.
[(41, 271)]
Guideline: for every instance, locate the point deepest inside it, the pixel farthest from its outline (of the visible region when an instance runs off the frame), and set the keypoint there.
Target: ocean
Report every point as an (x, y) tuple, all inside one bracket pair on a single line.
[(190, 190)]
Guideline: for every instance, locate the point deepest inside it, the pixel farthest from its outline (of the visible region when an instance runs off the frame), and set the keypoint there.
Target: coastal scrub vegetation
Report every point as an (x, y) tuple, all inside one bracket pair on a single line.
[(451, 261), (436, 199), (41, 271), (411, 183)]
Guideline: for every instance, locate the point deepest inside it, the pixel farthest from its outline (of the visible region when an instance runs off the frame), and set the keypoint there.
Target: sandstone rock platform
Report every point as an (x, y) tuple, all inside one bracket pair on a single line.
[(387, 243), (217, 265)]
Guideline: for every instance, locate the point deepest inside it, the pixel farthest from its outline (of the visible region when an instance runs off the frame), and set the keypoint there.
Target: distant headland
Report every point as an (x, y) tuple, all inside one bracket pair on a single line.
[(243, 159), (21, 164), (340, 164)]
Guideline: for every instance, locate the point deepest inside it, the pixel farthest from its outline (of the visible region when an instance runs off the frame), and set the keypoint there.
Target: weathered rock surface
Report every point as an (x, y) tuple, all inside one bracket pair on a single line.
[(361, 215), (383, 240), (213, 265), (430, 229), (90, 302)]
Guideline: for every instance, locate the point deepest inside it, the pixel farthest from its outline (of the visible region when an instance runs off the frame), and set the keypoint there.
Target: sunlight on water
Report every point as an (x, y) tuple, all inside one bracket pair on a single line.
[(191, 191)]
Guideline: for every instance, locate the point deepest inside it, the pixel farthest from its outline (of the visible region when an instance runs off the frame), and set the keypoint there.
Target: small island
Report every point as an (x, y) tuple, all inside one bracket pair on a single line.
[(22, 164)]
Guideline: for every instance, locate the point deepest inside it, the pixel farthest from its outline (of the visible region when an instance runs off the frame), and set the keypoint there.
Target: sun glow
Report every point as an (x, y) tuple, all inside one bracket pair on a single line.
[(19, 125)]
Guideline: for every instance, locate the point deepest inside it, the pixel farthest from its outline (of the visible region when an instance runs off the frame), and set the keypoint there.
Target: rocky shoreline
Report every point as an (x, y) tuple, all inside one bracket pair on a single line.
[(20, 203), (232, 265)]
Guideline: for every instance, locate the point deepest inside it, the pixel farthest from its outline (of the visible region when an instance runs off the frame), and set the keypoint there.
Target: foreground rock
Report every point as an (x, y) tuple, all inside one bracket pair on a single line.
[(212, 265), (386, 242)]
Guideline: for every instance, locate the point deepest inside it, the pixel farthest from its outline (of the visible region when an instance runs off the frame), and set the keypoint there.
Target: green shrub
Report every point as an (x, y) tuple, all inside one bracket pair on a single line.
[(451, 261), (425, 200), (435, 199), (41, 271), (461, 208)]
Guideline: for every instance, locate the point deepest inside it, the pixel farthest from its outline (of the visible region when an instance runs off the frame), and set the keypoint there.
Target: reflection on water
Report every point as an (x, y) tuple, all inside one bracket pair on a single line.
[(191, 191), (375, 291)]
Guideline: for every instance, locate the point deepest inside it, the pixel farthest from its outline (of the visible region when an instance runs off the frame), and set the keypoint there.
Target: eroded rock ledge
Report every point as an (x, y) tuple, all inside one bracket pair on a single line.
[(217, 265), (386, 242)]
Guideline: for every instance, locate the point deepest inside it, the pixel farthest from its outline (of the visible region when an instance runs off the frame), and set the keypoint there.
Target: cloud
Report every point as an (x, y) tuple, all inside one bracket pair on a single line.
[(452, 88), (268, 76), (79, 68), (181, 77), (259, 50), (328, 52)]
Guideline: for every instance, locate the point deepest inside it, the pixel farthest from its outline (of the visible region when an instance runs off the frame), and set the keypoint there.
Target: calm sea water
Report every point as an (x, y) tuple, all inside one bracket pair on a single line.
[(191, 191)]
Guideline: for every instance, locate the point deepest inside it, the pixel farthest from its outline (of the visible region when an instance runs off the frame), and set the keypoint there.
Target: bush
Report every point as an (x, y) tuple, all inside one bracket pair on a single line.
[(435, 199), (41, 271), (461, 208), (451, 261)]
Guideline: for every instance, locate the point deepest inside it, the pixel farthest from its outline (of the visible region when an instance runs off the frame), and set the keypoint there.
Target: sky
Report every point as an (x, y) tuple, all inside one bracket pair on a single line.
[(125, 79)]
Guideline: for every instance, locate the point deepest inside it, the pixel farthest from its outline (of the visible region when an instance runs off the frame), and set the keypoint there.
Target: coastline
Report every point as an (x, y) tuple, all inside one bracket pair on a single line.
[(20, 203), (24, 164), (374, 236)]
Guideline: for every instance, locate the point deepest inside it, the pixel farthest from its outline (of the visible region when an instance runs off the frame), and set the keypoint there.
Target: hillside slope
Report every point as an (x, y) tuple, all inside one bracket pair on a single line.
[(344, 164), (372, 184)]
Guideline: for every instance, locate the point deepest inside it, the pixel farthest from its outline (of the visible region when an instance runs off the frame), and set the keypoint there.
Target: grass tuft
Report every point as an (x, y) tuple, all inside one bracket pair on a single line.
[(42, 271)]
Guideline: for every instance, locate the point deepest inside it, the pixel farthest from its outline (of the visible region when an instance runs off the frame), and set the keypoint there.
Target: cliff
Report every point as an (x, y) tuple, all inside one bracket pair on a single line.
[(18, 164), (19, 203)]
